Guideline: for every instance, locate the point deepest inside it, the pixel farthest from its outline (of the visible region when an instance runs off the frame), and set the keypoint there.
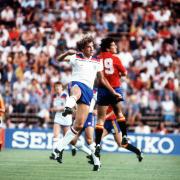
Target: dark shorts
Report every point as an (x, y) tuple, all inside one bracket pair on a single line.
[(86, 92), (105, 98), (111, 126)]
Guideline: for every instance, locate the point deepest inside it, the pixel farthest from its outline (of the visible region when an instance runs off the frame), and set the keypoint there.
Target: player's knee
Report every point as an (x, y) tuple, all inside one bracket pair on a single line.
[(73, 142), (56, 136), (124, 146), (78, 126), (89, 140), (121, 118), (100, 122)]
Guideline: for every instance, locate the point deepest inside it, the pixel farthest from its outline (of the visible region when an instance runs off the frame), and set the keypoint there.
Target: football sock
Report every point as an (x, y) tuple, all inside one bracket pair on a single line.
[(99, 132), (71, 101), (92, 147), (69, 136), (122, 125), (132, 148), (73, 147), (82, 147), (95, 159), (55, 143)]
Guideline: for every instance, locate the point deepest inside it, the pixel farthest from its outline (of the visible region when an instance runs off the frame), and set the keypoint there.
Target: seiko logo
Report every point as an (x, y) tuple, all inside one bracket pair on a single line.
[(43, 140)]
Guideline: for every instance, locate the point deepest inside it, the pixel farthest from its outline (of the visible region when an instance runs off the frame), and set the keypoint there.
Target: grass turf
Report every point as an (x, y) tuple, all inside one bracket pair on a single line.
[(35, 165)]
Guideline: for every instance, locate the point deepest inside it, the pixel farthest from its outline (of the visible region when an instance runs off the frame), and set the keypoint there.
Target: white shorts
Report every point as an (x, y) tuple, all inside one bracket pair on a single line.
[(61, 120)]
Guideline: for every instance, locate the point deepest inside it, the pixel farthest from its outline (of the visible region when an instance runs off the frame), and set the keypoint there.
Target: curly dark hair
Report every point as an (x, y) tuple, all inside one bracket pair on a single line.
[(83, 42), (106, 43)]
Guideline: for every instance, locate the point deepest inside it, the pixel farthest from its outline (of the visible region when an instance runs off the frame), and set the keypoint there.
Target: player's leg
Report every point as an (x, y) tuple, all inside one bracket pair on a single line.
[(89, 132), (101, 110), (77, 143), (73, 148), (81, 115), (116, 104), (105, 133), (128, 146), (75, 94), (89, 136), (106, 129), (124, 142), (121, 121), (73, 143), (56, 132)]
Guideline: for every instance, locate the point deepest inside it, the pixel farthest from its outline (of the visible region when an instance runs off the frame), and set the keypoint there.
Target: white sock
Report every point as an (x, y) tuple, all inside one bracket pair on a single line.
[(71, 101), (82, 147), (69, 136), (92, 147), (73, 147), (55, 143), (95, 159)]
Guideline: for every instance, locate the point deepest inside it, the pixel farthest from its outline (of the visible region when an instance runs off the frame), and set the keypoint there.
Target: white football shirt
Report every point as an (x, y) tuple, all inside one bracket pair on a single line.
[(59, 101), (84, 70)]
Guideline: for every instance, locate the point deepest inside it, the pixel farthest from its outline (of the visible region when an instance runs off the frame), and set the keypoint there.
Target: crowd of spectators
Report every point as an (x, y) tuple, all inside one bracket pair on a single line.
[(34, 32)]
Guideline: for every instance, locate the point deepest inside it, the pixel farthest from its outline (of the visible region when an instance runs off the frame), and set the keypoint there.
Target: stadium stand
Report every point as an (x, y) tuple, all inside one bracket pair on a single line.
[(33, 32)]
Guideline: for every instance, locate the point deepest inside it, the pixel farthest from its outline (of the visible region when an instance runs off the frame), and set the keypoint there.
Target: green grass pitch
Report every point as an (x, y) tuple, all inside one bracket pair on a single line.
[(35, 165)]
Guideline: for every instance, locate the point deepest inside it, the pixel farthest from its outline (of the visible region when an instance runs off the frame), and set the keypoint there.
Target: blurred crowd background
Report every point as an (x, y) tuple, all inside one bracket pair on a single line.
[(34, 32)]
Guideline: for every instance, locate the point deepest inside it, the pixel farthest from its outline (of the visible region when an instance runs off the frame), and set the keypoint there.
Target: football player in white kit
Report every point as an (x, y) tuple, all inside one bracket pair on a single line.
[(88, 128), (61, 123), (85, 68)]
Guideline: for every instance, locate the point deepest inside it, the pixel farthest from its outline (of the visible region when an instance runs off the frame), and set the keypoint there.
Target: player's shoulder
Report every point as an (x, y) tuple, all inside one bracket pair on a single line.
[(115, 56), (54, 96), (64, 94), (117, 59), (79, 55), (96, 58)]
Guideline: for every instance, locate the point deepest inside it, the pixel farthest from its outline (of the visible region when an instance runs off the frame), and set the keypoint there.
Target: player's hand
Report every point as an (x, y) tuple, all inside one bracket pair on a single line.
[(117, 96), (71, 52)]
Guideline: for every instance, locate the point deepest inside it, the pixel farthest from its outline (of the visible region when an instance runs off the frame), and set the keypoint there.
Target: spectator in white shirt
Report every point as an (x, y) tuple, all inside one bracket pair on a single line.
[(4, 34), (19, 48), (28, 3), (36, 49), (49, 49), (7, 14), (168, 109), (165, 59), (19, 85), (142, 128), (151, 65), (126, 57)]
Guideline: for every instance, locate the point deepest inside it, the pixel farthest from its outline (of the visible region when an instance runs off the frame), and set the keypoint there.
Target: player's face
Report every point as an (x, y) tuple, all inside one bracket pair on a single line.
[(58, 89), (88, 49), (113, 48)]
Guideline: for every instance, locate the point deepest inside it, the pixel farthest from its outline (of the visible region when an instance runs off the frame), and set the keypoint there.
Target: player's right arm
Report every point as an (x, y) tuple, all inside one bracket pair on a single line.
[(57, 109), (102, 81), (66, 56)]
